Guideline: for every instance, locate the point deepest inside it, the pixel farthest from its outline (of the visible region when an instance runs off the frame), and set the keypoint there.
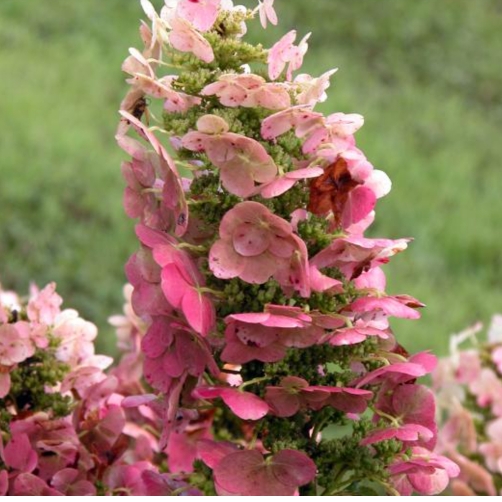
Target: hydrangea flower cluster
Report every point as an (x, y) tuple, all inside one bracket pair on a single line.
[(468, 384), (66, 426), (267, 339)]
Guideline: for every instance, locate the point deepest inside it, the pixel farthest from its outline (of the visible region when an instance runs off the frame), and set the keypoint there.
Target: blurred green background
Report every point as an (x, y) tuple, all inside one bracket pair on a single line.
[(426, 75)]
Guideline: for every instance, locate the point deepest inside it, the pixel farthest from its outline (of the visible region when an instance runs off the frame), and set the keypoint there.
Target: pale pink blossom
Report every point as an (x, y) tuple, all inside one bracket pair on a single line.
[(44, 305), (492, 448), (242, 161), (474, 474), (14, 348), (184, 38), (330, 129), (249, 91), (359, 332), (300, 118), (76, 337), (285, 53), (355, 255), (310, 90), (285, 181), (255, 245), (396, 306), (425, 473), (161, 88), (487, 389), (495, 329), (267, 12), (201, 13)]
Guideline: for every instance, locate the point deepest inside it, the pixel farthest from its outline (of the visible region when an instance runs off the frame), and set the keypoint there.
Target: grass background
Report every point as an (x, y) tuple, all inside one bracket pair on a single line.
[(425, 74)]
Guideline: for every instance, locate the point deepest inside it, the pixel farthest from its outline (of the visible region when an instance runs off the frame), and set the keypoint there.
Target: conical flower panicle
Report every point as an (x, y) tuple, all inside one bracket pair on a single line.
[(265, 305)]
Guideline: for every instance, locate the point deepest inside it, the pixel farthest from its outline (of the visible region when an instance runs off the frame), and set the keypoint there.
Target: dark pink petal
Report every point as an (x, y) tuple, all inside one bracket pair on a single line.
[(199, 311), (66, 481), (237, 352), (212, 452), (268, 320), (158, 338), (243, 473), (372, 279), (415, 404), (19, 455), (194, 354), (28, 484), (282, 402), (171, 363), (301, 337), (148, 299), (293, 468), (361, 201), (105, 433), (174, 285), (151, 237), (406, 433), (4, 482), (245, 404), (350, 401), (399, 371)]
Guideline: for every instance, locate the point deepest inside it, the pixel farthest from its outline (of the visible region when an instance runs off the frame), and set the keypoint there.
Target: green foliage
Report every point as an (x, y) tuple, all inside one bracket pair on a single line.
[(426, 76)]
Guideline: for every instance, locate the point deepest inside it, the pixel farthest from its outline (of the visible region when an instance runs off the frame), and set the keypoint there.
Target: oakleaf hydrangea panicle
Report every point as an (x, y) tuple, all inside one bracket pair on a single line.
[(262, 302)]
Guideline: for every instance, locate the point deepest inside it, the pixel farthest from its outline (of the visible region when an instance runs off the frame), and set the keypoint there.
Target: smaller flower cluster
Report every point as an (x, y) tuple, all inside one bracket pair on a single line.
[(468, 384), (67, 428)]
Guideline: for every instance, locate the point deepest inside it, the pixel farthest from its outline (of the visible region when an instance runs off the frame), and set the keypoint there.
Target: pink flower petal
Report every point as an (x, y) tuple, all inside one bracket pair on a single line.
[(212, 452), (293, 468), (185, 39), (201, 13), (245, 404), (250, 240), (224, 262), (18, 454), (199, 311)]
